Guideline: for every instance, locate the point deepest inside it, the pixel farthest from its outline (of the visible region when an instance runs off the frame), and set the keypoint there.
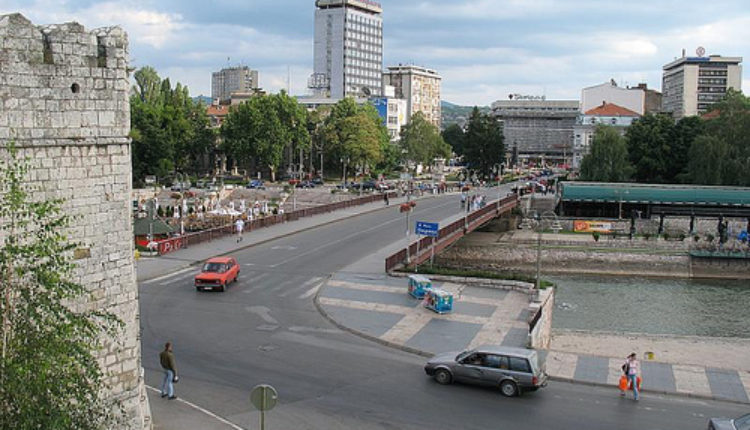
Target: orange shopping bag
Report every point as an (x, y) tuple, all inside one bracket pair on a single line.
[(630, 385), (623, 383)]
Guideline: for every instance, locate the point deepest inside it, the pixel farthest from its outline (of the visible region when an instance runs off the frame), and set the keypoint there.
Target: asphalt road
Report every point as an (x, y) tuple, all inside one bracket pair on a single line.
[(265, 329)]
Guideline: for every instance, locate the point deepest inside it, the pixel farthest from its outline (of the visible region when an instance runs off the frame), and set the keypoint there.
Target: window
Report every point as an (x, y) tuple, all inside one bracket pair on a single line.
[(518, 364), (496, 361)]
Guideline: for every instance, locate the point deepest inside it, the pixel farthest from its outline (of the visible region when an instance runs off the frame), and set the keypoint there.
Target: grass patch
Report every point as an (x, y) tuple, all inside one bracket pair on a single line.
[(474, 273)]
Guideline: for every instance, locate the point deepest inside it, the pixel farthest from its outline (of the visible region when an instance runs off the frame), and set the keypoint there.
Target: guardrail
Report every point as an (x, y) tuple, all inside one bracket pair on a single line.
[(450, 233), (175, 243)]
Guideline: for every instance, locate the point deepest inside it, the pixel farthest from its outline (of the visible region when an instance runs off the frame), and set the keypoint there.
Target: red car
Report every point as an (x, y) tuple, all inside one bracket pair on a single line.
[(217, 273)]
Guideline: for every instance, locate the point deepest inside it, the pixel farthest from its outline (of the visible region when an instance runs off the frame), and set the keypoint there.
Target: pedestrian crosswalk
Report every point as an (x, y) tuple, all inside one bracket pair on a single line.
[(252, 281)]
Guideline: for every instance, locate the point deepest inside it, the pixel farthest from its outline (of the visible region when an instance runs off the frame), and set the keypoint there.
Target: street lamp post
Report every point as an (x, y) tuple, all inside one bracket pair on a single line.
[(537, 222)]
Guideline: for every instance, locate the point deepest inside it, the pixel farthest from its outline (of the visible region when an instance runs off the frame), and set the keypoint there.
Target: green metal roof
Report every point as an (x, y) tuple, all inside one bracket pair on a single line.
[(140, 227), (655, 194)]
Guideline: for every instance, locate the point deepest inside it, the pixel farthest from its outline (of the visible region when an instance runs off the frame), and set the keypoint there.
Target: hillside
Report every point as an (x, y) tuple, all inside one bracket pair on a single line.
[(456, 114)]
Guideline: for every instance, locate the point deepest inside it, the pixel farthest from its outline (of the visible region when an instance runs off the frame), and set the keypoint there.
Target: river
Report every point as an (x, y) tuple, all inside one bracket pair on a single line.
[(654, 306)]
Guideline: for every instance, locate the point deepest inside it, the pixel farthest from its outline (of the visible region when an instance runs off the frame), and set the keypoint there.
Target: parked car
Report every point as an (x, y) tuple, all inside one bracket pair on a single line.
[(305, 184), (318, 181), (256, 184), (366, 185), (513, 370), (741, 423), (217, 273)]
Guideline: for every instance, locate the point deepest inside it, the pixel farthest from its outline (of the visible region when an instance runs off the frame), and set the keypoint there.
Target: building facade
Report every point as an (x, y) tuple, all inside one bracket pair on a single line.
[(606, 114), (536, 129), (393, 112), (348, 49), (691, 85), (420, 87), (69, 92), (639, 99), (233, 80)]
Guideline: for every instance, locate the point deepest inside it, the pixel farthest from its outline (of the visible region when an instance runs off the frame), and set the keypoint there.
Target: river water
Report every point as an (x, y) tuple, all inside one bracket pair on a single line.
[(715, 308)]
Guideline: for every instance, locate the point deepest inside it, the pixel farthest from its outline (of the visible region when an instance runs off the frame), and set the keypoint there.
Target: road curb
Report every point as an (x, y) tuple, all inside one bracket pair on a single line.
[(264, 241), (646, 390), (421, 353)]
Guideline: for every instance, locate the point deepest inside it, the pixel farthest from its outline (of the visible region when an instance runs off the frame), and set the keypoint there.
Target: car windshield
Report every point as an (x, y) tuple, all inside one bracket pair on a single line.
[(215, 267)]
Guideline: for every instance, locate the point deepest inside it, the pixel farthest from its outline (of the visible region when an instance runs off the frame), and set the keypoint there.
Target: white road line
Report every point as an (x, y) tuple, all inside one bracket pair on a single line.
[(177, 278), (255, 282), (345, 238), (304, 285), (311, 292), (169, 275), (200, 409)]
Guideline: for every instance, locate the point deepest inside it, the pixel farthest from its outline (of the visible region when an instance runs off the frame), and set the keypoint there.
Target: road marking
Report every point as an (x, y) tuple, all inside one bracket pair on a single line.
[(311, 292), (407, 327), (304, 285), (264, 313), (177, 278), (200, 409), (256, 284), (169, 275), (345, 238)]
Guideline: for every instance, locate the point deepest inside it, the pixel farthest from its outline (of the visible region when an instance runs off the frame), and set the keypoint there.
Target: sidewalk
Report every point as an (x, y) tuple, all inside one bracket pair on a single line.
[(365, 301), (148, 268)]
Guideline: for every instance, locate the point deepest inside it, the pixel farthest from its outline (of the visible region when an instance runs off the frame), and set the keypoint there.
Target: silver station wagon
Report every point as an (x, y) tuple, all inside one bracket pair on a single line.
[(513, 370)]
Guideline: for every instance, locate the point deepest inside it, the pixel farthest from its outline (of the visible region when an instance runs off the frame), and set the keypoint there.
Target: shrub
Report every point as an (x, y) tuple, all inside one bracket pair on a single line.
[(710, 238), (596, 236), (646, 236), (696, 238)]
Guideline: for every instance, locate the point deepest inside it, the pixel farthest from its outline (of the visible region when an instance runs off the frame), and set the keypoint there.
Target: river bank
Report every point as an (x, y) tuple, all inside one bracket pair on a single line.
[(562, 254)]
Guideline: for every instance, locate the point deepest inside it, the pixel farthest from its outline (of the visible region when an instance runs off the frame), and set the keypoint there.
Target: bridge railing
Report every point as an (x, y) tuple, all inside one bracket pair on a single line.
[(420, 250)]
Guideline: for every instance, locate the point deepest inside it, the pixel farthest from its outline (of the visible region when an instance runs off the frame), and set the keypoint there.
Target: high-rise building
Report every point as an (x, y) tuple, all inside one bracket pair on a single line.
[(348, 49), (691, 85), (233, 80), (420, 87)]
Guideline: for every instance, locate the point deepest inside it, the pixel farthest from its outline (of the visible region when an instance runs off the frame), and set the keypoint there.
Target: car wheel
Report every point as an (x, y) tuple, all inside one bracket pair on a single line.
[(509, 388), (443, 377)]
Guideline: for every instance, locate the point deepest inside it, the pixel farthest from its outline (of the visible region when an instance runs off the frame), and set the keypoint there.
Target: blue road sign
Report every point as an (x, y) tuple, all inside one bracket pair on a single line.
[(427, 228)]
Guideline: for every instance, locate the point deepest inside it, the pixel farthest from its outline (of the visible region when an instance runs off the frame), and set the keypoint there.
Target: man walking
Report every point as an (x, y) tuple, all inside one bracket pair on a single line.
[(239, 225), (166, 358)]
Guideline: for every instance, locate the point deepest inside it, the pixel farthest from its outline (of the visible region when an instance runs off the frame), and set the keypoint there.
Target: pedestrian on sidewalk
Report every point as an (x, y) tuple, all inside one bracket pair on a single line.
[(631, 365), (166, 358), (463, 200), (239, 225), (385, 197)]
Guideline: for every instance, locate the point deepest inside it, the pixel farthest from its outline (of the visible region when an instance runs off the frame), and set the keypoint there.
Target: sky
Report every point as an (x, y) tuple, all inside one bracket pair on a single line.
[(483, 49)]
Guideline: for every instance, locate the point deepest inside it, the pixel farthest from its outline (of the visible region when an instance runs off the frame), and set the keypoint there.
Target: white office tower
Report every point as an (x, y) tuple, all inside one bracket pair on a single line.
[(348, 49)]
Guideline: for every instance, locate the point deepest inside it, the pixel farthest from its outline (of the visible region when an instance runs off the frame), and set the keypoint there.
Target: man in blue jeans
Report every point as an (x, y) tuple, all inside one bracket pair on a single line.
[(166, 358)]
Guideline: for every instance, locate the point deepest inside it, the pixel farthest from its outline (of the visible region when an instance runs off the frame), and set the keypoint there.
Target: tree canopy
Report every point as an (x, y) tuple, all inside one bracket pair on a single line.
[(484, 143), (607, 160), (169, 131), (422, 142)]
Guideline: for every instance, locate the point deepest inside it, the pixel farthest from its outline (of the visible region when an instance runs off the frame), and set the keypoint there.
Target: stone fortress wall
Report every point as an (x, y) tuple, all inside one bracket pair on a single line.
[(64, 102)]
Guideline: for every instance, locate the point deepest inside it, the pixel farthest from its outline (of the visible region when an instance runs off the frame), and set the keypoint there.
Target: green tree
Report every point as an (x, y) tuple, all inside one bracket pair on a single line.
[(49, 373), (732, 126), (649, 143), (607, 160), (339, 138), (709, 160), (483, 145), (684, 134), (454, 136), (262, 127), (169, 131), (422, 142)]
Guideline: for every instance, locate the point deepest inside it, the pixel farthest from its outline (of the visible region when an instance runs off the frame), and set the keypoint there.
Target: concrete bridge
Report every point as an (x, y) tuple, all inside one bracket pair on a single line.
[(421, 250)]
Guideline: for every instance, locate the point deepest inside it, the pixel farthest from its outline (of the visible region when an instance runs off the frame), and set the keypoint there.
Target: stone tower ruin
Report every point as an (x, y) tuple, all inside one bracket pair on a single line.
[(64, 102)]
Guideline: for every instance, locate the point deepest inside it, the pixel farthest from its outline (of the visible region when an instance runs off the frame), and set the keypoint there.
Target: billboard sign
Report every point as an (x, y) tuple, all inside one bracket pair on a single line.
[(580, 226)]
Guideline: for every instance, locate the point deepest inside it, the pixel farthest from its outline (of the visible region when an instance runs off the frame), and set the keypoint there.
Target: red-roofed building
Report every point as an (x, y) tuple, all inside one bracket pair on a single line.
[(605, 114), (216, 114)]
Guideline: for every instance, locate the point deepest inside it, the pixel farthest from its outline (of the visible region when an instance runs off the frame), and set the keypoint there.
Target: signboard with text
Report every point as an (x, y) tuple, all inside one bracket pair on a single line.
[(580, 226), (427, 228), (169, 245)]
